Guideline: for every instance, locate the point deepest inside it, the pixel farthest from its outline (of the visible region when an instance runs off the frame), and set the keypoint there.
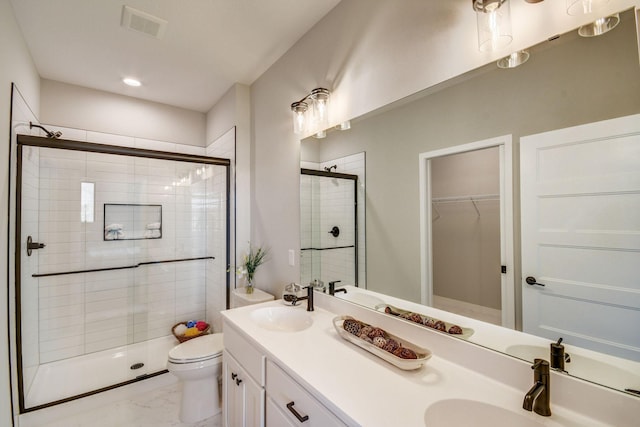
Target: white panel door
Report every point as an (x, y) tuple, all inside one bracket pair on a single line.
[(580, 200)]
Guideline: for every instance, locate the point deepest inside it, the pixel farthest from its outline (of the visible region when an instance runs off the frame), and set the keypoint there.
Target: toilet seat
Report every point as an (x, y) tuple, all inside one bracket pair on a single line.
[(197, 349)]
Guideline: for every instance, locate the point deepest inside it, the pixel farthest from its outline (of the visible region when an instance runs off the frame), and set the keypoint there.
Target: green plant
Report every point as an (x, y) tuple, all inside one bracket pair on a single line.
[(251, 261)]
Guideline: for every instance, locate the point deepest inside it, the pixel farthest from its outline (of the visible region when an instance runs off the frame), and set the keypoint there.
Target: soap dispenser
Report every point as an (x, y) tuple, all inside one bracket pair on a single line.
[(291, 293)]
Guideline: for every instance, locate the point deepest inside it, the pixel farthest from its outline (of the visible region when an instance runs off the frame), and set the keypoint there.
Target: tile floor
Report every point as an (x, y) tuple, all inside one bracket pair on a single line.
[(155, 404)]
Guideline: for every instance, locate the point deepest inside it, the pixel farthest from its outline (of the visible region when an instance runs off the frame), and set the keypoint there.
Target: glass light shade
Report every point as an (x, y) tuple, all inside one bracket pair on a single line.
[(584, 7), (599, 26), (299, 110), (494, 24), (320, 105), (320, 134), (514, 60)]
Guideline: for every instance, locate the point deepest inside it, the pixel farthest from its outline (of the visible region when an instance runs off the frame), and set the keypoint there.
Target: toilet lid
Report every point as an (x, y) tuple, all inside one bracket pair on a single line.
[(197, 349)]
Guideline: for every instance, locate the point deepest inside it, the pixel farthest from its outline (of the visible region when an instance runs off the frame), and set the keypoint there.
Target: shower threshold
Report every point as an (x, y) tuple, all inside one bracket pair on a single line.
[(74, 377)]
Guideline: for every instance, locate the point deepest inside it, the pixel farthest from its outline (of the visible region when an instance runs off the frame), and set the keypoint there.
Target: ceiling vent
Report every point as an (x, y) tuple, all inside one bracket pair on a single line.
[(142, 22)]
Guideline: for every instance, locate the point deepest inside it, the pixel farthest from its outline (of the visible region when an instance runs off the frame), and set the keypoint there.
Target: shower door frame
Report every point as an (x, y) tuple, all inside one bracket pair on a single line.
[(65, 144), (354, 178)]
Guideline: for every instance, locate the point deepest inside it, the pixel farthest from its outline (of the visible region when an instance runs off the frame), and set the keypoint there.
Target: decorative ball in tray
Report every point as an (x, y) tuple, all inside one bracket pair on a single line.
[(426, 321), (184, 331), (394, 350)]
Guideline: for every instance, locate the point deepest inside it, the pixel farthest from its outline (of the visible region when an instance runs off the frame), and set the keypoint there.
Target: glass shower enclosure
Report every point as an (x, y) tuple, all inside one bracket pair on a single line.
[(328, 227), (114, 246)]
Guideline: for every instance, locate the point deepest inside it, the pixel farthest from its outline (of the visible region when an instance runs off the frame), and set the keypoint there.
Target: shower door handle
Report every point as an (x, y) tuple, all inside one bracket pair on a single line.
[(31, 245)]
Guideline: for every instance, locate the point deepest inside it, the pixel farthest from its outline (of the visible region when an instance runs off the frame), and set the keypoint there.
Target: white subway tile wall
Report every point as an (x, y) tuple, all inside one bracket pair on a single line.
[(76, 314)]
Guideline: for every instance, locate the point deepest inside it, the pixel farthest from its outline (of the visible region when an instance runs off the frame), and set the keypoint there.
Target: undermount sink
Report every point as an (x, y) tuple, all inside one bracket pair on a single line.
[(463, 412), (281, 319), (583, 367)]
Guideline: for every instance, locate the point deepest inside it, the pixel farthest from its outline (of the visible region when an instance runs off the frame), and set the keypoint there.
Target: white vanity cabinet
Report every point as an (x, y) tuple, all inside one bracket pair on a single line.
[(289, 404), (243, 381), (243, 397), (258, 392)]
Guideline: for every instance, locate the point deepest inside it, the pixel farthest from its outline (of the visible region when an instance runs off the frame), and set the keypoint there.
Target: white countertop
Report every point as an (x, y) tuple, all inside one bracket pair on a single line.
[(365, 390)]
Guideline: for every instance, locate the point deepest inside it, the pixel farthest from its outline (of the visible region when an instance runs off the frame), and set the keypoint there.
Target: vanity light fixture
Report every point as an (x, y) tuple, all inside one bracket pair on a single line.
[(131, 82), (584, 7), (312, 111), (514, 60), (599, 26), (494, 24), (346, 125), (320, 134)]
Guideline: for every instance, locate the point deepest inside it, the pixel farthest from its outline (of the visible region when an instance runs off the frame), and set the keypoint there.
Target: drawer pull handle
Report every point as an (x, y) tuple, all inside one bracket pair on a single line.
[(238, 381), (294, 412), (233, 376)]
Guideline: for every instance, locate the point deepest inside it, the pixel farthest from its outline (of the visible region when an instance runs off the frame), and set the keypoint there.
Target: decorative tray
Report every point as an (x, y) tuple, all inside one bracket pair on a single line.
[(426, 321), (422, 354)]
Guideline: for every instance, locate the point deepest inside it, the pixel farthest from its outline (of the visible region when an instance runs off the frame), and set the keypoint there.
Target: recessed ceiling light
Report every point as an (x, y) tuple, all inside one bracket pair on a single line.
[(131, 82)]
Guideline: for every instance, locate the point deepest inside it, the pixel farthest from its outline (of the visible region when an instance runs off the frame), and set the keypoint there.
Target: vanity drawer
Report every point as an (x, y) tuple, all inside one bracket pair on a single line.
[(251, 359), (282, 390)]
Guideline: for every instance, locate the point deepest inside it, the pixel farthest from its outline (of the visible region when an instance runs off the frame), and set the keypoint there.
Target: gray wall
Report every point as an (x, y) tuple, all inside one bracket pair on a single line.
[(466, 236), (567, 82), (83, 108)]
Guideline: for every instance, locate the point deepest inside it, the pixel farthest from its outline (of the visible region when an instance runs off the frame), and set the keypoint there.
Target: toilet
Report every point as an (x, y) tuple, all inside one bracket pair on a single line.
[(198, 365)]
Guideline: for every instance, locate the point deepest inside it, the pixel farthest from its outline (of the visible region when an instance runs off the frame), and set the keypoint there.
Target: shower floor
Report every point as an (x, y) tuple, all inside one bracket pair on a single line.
[(72, 377)]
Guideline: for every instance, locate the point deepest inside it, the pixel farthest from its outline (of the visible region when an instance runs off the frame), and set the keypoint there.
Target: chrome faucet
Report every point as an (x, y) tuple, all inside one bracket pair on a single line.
[(332, 288), (308, 298), (538, 398), (558, 357)]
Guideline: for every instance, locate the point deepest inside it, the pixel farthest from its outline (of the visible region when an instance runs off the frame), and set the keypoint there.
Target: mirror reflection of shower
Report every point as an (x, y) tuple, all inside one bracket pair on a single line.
[(332, 221)]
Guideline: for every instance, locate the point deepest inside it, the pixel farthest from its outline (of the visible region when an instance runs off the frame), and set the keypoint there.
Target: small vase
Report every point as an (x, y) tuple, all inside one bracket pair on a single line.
[(249, 287)]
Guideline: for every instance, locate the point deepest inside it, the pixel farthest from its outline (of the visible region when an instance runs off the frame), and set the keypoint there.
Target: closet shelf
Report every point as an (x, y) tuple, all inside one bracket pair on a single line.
[(457, 199), (473, 198)]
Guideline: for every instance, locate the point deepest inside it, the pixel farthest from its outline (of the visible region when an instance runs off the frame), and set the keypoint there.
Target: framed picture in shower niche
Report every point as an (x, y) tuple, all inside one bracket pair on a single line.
[(132, 222)]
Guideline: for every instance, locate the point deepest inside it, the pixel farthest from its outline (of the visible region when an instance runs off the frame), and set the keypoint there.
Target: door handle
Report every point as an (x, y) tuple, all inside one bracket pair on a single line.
[(532, 281), (31, 245)]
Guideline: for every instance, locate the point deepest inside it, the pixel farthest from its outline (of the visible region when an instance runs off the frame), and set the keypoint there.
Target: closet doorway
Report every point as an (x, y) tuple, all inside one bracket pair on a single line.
[(466, 230)]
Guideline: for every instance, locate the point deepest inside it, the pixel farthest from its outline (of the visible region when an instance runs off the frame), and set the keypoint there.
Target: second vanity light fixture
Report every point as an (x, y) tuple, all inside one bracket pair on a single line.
[(584, 7), (311, 113), (514, 60), (494, 24)]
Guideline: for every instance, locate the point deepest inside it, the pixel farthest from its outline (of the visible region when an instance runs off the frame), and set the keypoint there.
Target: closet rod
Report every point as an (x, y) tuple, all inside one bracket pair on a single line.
[(473, 198), (456, 199)]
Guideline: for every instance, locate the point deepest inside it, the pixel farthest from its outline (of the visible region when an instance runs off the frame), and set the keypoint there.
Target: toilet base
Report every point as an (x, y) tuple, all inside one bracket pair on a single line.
[(200, 399)]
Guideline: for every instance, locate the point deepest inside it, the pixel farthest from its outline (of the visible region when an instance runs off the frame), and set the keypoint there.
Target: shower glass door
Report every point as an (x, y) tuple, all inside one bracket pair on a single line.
[(328, 227), (114, 250)]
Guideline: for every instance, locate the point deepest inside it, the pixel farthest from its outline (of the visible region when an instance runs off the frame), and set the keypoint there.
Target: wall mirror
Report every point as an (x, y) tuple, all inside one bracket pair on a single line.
[(568, 81)]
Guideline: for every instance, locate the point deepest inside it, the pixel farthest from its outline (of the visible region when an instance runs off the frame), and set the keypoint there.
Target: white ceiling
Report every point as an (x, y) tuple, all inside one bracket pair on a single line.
[(208, 45)]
